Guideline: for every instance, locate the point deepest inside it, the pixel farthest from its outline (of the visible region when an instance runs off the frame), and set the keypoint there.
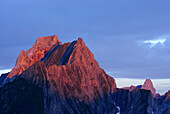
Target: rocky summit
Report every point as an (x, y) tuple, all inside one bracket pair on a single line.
[(148, 85), (52, 77), (38, 51)]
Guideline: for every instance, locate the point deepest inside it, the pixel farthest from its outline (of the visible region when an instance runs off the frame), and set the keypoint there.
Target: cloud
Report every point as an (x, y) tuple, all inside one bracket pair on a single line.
[(4, 71), (155, 42)]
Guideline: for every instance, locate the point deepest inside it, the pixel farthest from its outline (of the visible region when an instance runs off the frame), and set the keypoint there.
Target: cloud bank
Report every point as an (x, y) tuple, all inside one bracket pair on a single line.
[(4, 71)]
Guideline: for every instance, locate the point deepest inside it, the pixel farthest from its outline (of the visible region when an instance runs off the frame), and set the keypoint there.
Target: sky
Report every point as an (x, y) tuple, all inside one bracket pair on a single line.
[(129, 38)]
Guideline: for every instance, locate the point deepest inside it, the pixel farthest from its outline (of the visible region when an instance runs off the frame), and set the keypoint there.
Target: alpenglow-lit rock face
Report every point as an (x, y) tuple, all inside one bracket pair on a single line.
[(148, 85), (71, 79), (65, 78), (38, 51)]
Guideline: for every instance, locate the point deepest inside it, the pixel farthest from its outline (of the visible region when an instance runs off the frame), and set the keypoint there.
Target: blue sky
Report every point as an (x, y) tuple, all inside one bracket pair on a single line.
[(129, 38)]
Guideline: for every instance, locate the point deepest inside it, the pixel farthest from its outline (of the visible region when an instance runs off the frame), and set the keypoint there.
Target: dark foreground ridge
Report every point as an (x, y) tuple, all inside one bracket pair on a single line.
[(54, 78)]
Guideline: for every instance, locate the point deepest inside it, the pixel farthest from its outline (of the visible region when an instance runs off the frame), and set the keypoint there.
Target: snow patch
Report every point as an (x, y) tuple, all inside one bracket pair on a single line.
[(117, 108)]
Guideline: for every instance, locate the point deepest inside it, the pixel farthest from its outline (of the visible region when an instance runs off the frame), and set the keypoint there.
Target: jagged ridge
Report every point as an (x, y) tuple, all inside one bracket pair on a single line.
[(38, 51), (72, 82)]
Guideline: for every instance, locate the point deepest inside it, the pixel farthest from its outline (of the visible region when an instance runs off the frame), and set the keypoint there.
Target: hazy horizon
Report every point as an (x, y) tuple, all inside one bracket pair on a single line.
[(161, 85)]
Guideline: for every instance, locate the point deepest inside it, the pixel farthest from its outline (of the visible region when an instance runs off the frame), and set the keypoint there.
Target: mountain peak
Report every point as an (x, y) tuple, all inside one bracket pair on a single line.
[(148, 85), (148, 81), (55, 35), (66, 78), (48, 40), (37, 52), (167, 95), (80, 39)]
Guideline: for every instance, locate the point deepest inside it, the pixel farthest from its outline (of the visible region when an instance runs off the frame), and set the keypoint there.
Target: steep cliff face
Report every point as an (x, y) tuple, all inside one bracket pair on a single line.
[(142, 99), (38, 51), (148, 85), (2, 78), (78, 71), (20, 97), (133, 102), (162, 104), (67, 79), (71, 79)]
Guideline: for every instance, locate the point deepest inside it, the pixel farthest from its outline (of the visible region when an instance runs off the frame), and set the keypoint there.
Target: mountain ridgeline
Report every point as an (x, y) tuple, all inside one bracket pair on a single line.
[(52, 77)]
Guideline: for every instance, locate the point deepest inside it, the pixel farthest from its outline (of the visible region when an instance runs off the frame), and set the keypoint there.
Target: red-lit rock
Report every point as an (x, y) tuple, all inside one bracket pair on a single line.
[(68, 79), (78, 74), (37, 52), (149, 86)]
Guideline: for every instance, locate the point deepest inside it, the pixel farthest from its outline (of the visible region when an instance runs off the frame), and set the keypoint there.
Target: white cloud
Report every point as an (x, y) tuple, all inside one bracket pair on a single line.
[(155, 41), (4, 71)]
